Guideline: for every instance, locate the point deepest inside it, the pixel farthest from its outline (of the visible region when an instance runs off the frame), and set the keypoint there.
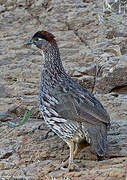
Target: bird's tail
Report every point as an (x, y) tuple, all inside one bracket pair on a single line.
[(98, 136)]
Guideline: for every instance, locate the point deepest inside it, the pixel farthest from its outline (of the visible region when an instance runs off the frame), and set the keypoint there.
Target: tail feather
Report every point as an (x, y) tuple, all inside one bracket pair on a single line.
[(98, 135)]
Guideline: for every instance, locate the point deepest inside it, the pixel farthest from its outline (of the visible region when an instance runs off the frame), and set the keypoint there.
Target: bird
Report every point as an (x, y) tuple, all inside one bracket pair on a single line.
[(68, 108)]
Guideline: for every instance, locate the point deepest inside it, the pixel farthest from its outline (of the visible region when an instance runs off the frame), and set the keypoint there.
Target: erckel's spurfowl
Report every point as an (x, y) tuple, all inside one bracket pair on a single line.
[(71, 111)]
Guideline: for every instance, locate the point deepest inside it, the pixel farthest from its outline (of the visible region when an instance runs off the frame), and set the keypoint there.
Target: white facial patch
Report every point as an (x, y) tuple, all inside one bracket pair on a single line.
[(39, 39)]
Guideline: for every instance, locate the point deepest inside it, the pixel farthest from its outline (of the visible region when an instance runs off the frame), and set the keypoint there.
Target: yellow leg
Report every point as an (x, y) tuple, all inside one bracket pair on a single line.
[(75, 148), (72, 147), (69, 162)]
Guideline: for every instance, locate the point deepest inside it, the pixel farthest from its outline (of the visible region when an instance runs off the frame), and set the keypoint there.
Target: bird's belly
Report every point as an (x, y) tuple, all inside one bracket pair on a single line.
[(68, 129), (65, 128)]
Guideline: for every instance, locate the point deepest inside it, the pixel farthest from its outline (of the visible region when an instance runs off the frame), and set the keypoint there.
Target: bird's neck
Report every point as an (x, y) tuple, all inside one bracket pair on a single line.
[(52, 71), (52, 61)]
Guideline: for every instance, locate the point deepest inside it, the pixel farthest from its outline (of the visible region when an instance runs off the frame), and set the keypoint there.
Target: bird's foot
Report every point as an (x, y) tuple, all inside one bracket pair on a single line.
[(71, 167), (63, 165)]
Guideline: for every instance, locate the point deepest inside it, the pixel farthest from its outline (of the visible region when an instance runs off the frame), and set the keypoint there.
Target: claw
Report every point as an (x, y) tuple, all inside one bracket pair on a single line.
[(68, 167)]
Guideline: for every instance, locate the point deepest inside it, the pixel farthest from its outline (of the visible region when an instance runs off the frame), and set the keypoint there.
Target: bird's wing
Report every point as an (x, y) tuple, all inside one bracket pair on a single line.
[(77, 104)]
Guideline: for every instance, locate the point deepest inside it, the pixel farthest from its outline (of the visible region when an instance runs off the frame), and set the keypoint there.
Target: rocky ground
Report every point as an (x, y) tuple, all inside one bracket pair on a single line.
[(92, 38)]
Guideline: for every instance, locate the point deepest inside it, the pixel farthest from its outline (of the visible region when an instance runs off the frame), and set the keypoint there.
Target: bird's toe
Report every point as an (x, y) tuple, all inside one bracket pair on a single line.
[(73, 167), (63, 166)]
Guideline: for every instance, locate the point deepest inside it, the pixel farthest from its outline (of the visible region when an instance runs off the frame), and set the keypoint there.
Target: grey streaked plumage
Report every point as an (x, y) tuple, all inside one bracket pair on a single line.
[(71, 111)]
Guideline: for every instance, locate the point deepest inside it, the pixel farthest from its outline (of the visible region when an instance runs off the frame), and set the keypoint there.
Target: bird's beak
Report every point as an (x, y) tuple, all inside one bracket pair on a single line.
[(29, 42)]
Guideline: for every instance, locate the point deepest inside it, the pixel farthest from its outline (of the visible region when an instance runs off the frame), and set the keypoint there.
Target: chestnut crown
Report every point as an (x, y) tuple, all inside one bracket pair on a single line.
[(42, 39)]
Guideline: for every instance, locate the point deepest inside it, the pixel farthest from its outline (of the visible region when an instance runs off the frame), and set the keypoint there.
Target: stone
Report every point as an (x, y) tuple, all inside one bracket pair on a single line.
[(2, 9), (3, 91), (114, 76)]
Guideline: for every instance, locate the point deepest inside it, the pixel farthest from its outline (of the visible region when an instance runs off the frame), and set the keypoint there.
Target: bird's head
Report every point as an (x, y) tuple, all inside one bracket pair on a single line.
[(42, 39)]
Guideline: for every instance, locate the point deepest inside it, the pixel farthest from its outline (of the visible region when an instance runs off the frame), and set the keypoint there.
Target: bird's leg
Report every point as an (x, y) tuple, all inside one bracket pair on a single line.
[(71, 158), (75, 148), (69, 162), (76, 151)]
